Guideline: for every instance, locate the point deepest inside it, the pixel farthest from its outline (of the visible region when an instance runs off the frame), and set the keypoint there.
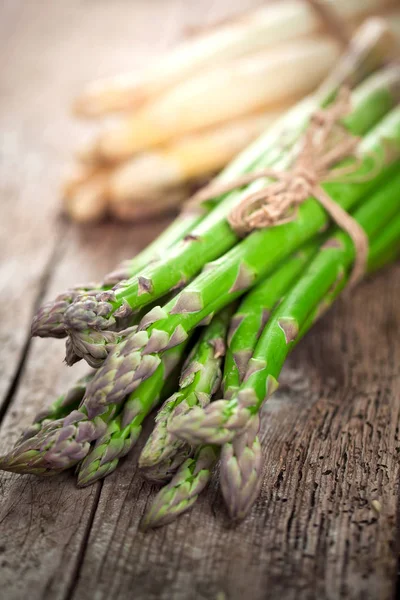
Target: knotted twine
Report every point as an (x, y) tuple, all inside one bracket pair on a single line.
[(325, 143)]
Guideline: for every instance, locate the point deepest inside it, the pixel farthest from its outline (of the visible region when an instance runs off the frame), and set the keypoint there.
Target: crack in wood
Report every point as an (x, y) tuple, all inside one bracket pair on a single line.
[(79, 561)]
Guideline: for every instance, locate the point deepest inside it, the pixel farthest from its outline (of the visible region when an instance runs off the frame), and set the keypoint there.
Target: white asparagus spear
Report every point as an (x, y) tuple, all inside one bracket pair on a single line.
[(145, 179), (259, 29), (225, 93), (76, 175), (190, 157), (87, 201), (150, 205), (394, 22)]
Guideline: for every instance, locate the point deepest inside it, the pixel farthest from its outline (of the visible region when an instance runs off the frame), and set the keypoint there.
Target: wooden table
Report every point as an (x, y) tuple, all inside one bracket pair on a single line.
[(330, 436)]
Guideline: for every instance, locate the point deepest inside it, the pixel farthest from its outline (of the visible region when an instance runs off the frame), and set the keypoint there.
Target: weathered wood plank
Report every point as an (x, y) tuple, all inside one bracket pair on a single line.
[(331, 447)]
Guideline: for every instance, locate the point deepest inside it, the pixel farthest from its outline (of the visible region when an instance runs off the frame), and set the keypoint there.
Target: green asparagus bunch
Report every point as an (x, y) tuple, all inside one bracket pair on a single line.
[(287, 275), (233, 274), (213, 236), (138, 356)]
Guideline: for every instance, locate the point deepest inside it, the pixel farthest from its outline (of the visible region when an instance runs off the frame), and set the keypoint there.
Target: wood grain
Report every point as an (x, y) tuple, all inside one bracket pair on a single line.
[(330, 436)]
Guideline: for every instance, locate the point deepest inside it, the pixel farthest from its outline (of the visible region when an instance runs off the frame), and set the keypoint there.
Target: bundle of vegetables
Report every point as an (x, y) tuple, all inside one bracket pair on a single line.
[(235, 306), (201, 104)]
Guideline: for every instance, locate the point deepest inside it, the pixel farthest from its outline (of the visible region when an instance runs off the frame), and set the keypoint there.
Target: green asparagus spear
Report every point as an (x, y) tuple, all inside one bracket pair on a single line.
[(59, 409), (182, 492), (123, 431), (240, 471), (164, 471), (222, 420), (229, 277), (214, 236), (200, 379)]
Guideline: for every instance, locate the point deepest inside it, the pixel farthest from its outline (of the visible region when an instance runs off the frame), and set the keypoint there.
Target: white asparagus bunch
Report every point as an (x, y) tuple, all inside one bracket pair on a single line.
[(147, 163), (262, 28)]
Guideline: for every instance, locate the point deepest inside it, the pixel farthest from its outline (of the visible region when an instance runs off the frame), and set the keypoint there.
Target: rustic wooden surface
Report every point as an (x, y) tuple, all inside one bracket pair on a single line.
[(331, 435)]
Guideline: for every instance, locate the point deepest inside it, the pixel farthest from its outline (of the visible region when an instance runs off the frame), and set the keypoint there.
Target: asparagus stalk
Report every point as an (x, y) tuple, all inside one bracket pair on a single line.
[(63, 443), (59, 409), (163, 472), (240, 467), (228, 278), (214, 236), (200, 379), (222, 420), (182, 492), (240, 471), (198, 155), (124, 430)]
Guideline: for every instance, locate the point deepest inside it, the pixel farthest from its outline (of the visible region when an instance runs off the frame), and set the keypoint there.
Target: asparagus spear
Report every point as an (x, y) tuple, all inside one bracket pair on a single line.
[(63, 443), (222, 420), (200, 379), (164, 471), (124, 430), (49, 319), (234, 273), (182, 492), (59, 409), (240, 471), (214, 236)]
